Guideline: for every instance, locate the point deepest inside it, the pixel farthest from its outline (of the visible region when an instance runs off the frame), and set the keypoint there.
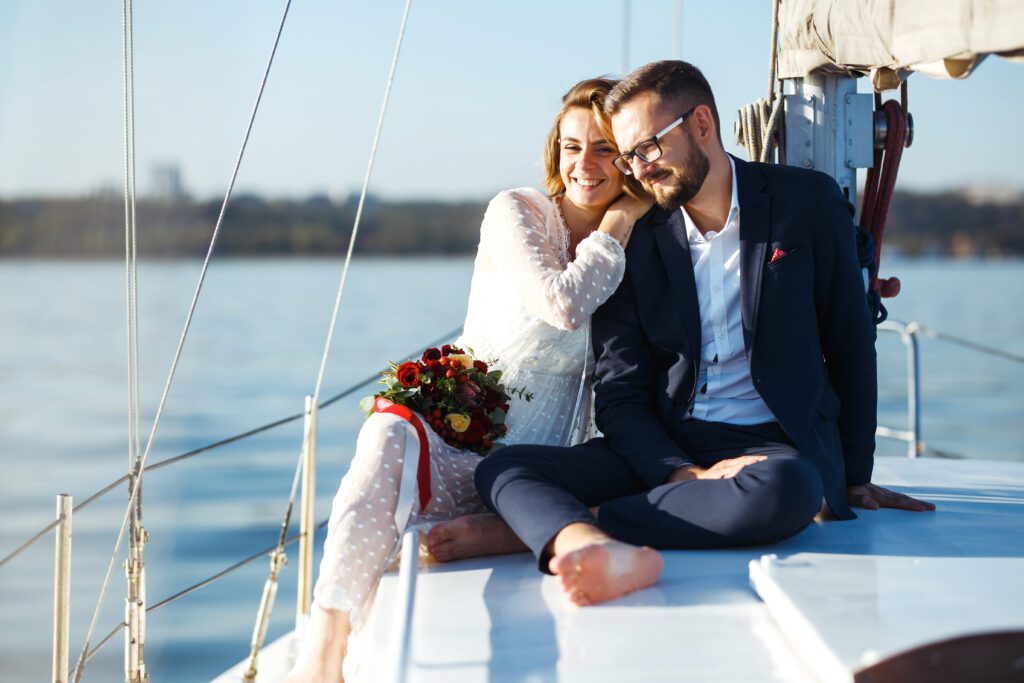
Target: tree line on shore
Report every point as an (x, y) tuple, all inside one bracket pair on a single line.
[(940, 224)]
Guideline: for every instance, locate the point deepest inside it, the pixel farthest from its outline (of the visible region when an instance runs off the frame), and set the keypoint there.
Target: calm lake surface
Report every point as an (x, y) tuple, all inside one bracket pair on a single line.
[(251, 357)]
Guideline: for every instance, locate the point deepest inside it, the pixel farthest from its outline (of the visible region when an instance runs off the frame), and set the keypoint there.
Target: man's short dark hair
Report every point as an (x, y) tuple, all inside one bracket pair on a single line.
[(678, 83)]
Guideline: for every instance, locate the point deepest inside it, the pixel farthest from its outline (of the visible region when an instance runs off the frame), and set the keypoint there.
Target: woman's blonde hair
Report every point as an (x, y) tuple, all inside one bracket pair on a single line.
[(589, 94)]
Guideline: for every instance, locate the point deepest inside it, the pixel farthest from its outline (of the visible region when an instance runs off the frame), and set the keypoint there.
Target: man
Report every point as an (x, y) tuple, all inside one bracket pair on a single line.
[(736, 375)]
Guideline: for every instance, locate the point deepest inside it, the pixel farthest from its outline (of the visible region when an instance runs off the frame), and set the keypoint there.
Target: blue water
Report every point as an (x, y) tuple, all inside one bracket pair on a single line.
[(251, 357)]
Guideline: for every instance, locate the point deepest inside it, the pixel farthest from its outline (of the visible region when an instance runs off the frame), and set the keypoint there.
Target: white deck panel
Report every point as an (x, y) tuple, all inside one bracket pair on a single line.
[(863, 609), (499, 619)]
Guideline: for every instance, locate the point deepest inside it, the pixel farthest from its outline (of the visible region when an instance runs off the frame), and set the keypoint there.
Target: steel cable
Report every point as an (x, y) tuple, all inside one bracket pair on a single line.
[(213, 578), (210, 447), (967, 343), (181, 342)]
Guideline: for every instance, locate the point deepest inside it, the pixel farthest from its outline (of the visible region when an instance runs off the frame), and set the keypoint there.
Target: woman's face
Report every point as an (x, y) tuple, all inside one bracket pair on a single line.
[(585, 157)]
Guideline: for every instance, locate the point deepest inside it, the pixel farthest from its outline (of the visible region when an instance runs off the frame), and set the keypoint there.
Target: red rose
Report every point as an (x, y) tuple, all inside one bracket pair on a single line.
[(480, 365), (475, 433), (446, 349), (431, 355), (408, 374)]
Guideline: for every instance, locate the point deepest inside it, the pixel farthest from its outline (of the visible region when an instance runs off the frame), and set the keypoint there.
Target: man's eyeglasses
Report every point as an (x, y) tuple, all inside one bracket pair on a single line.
[(647, 150)]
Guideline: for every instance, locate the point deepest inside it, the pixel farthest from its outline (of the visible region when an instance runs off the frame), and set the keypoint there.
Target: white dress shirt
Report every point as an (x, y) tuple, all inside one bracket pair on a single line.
[(725, 392)]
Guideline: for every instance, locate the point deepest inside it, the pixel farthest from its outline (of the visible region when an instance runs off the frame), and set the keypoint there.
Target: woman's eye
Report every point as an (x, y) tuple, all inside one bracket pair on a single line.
[(571, 148)]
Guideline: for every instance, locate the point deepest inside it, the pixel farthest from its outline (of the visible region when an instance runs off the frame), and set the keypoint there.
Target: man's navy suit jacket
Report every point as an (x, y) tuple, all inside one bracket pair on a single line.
[(807, 331)]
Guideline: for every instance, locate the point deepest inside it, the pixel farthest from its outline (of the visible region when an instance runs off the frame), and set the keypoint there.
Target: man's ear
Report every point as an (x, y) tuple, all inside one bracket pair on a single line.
[(704, 120)]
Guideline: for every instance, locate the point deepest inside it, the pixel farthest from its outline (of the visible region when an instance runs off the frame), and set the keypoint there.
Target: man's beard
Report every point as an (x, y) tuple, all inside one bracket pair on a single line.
[(688, 180)]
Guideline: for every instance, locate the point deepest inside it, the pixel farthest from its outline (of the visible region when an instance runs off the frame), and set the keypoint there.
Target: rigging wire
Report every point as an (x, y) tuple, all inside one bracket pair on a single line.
[(199, 585), (927, 331), (130, 244), (182, 338), (362, 202), (213, 446), (348, 257), (967, 343)]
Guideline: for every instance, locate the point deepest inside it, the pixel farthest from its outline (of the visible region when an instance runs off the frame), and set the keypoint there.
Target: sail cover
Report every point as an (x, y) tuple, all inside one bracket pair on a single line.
[(887, 39)]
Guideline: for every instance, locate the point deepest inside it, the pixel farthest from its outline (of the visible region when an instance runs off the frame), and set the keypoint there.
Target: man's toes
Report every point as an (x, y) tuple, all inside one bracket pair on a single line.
[(578, 597), (563, 566)]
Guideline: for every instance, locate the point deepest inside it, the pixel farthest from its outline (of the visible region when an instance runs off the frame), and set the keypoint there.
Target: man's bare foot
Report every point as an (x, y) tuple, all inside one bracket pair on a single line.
[(323, 648), (606, 570), (473, 536)]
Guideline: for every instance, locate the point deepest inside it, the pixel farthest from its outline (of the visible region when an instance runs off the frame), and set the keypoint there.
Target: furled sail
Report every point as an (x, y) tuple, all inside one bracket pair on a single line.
[(887, 39)]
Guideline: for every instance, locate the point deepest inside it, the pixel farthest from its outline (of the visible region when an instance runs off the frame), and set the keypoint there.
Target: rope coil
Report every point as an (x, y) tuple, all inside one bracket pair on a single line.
[(756, 129), (757, 124)]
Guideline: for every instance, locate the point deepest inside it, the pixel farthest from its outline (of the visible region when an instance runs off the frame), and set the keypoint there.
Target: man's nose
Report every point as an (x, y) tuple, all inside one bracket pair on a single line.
[(641, 168)]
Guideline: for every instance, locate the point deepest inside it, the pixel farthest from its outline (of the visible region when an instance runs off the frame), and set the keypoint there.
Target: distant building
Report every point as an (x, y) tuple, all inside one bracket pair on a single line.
[(992, 193), (167, 183)]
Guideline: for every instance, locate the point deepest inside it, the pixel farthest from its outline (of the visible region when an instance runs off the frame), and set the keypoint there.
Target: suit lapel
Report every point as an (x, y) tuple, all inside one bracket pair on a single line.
[(754, 234), (674, 248)]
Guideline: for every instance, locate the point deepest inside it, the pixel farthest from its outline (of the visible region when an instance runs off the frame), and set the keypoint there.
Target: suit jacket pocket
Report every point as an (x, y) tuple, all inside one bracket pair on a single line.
[(792, 255)]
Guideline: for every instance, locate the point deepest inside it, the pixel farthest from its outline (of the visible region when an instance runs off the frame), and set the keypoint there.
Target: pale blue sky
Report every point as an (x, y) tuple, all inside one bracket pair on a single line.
[(475, 92)]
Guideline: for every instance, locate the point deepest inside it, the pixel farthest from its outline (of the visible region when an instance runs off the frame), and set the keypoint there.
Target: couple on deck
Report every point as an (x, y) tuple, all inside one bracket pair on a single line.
[(731, 349)]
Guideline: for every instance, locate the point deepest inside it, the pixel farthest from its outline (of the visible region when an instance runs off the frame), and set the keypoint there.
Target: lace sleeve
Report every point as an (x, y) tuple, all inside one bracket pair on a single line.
[(514, 231)]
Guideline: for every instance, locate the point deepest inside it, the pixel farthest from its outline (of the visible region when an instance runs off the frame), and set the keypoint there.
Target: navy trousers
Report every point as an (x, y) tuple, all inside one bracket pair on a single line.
[(539, 490)]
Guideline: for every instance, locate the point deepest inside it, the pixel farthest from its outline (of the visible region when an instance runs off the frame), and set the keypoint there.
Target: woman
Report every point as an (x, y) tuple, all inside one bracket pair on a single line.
[(544, 264)]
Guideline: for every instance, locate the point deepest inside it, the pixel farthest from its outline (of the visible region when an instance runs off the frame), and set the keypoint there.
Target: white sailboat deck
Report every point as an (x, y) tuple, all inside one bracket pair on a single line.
[(864, 590)]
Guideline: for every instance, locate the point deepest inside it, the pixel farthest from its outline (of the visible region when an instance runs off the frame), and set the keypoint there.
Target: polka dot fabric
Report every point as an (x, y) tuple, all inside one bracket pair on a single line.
[(529, 309)]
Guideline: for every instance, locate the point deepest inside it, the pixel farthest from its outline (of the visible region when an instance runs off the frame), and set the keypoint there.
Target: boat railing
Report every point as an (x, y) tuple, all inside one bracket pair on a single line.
[(909, 335), (62, 523)]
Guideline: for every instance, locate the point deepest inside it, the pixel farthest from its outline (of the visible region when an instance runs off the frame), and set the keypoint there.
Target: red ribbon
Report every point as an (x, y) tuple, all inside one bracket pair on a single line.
[(382, 405)]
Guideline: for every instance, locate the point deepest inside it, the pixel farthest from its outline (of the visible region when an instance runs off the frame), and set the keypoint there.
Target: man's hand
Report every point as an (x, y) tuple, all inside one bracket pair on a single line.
[(723, 469), (873, 497)]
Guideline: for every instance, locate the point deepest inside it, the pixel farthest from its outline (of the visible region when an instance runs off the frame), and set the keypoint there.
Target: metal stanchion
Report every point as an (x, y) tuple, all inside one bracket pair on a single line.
[(62, 589)]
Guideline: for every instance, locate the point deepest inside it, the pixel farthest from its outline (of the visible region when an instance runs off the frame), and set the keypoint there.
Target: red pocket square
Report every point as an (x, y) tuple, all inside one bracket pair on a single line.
[(777, 254)]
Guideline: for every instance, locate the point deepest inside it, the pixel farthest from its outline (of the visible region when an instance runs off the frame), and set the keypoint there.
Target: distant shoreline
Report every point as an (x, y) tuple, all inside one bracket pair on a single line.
[(958, 225)]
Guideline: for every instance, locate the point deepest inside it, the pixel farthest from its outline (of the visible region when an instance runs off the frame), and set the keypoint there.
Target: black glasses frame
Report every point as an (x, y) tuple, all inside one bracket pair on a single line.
[(624, 162)]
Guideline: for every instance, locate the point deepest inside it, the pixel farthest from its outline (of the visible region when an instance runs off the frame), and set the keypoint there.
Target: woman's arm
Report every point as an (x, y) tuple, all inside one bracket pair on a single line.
[(515, 236), (620, 217)]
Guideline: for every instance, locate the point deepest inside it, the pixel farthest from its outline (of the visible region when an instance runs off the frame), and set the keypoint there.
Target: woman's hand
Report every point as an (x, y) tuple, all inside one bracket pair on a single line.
[(621, 215)]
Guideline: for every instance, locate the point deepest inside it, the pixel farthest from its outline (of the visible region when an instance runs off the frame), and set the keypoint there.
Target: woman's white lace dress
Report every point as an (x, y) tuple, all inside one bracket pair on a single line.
[(528, 309)]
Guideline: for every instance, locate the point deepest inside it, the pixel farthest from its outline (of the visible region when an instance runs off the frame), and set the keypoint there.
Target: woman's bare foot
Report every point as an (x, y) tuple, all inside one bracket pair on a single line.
[(323, 648), (472, 536), (592, 567)]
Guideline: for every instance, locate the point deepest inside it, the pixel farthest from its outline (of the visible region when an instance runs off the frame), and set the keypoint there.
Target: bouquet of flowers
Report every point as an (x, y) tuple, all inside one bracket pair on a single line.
[(459, 396)]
